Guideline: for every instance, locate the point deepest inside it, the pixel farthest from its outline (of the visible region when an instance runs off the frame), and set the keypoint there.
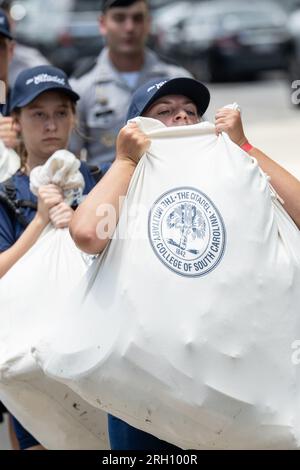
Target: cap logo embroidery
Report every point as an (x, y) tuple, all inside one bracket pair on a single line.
[(157, 86), (44, 78)]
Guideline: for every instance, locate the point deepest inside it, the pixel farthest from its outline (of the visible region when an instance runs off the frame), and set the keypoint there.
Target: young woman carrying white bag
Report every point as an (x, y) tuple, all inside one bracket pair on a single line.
[(40, 264), (187, 326)]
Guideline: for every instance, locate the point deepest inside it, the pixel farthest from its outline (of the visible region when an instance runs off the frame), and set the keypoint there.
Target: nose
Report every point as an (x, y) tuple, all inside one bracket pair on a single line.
[(129, 24), (50, 124), (181, 115)]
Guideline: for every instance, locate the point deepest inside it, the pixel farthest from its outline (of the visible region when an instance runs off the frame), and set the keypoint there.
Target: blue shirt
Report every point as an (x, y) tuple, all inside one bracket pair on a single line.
[(10, 228)]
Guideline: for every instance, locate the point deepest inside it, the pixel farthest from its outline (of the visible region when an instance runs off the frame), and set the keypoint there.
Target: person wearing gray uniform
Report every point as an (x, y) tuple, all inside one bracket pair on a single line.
[(122, 66)]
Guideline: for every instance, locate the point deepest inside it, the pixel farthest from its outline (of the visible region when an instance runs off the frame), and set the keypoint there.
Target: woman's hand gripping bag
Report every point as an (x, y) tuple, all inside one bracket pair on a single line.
[(31, 294), (187, 326)]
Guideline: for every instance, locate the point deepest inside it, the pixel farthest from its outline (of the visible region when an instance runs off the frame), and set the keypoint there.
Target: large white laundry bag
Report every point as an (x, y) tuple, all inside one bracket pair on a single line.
[(31, 294), (9, 162), (187, 325)]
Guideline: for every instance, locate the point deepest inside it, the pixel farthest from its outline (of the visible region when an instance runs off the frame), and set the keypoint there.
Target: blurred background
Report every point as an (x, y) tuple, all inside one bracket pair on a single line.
[(218, 40), (247, 50)]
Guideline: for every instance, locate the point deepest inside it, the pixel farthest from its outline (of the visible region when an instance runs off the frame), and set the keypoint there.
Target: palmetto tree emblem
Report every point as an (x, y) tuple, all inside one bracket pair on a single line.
[(189, 221)]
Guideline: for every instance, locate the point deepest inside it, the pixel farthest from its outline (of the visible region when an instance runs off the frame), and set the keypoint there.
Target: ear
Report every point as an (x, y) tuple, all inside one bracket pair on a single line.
[(102, 24), (149, 23), (16, 122), (11, 48), (75, 120)]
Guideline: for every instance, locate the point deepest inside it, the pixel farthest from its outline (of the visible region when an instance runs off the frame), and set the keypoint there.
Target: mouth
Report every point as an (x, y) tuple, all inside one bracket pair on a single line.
[(51, 139), (129, 40)]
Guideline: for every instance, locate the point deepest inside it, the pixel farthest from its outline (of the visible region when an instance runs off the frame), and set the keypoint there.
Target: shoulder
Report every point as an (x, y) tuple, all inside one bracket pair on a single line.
[(165, 66), (174, 70), (85, 82), (82, 84), (87, 76), (20, 183), (12, 183)]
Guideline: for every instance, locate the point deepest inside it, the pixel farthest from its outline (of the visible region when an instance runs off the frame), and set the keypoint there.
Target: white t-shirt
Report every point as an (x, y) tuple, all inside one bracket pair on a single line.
[(131, 78)]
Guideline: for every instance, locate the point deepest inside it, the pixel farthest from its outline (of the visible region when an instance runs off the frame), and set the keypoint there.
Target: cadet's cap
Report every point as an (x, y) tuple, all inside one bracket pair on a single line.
[(107, 4), (36, 80), (147, 94)]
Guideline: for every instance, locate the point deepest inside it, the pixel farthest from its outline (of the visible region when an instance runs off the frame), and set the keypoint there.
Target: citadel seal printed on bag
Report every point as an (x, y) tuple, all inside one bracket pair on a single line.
[(187, 232)]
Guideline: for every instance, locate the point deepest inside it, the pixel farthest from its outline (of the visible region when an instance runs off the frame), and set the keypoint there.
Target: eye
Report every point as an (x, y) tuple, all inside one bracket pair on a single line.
[(163, 112), (39, 114), (119, 18), (191, 112), (62, 113), (139, 18)]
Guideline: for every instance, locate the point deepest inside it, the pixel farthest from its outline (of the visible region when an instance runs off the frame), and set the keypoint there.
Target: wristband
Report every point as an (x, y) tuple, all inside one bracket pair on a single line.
[(247, 147)]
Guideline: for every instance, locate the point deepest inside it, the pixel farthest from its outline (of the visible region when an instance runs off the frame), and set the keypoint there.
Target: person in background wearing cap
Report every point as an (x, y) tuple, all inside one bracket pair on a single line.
[(177, 102), (7, 132), (122, 66), (43, 107)]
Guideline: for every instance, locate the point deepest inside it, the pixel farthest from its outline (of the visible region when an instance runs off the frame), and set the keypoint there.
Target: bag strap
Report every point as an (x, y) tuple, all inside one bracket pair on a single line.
[(8, 196)]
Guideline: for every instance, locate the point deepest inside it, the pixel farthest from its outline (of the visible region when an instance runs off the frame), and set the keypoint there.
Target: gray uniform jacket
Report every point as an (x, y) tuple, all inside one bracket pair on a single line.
[(105, 98), (23, 58)]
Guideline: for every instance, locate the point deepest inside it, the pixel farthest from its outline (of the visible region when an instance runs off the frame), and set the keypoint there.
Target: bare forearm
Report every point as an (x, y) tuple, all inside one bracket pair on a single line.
[(9, 257), (285, 184), (102, 206)]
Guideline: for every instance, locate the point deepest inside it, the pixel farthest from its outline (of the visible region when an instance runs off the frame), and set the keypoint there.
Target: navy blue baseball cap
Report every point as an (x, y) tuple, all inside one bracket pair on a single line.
[(32, 82), (147, 94), (4, 25), (107, 4)]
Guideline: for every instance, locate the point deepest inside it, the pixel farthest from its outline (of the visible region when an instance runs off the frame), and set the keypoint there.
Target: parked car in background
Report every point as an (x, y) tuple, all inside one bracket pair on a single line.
[(66, 31), (168, 16), (221, 40)]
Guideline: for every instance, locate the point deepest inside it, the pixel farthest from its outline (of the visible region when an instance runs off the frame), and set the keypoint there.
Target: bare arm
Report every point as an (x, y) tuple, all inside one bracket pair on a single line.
[(49, 196), (102, 205), (285, 184)]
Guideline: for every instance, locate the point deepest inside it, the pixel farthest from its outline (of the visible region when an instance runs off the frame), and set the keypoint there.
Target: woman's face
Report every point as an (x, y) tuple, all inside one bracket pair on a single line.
[(173, 110), (46, 124)]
